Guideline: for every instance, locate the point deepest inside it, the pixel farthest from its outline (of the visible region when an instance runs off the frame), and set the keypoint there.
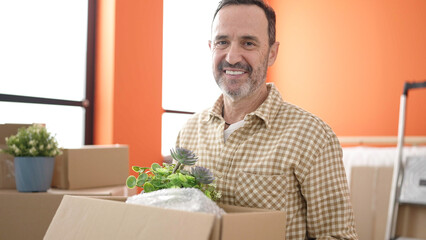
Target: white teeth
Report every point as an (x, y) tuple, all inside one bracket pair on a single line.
[(233, 72)]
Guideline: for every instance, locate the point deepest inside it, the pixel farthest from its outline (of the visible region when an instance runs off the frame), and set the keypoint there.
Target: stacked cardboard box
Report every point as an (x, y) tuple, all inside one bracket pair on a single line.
[(85, 171), (7, 169), (91, 167), (370, 195), (77, 168)]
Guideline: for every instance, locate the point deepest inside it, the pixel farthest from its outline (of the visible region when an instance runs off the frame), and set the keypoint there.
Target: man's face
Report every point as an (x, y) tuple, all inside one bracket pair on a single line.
[(240, 50)]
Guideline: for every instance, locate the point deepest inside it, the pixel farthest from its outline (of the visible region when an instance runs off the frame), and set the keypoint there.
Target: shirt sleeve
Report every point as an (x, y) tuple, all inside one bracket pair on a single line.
[(325, 189)]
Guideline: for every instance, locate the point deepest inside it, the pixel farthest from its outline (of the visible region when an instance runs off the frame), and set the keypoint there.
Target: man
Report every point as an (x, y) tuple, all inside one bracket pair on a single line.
[(264, 152)]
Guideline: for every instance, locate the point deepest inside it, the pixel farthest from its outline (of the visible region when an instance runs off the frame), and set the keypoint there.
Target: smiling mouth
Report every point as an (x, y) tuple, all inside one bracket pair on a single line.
[(230, 72), (236, 69)]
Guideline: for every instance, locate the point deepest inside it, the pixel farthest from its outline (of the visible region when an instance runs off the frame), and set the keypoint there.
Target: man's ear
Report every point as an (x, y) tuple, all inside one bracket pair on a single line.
[(210, 44), (273, 52)]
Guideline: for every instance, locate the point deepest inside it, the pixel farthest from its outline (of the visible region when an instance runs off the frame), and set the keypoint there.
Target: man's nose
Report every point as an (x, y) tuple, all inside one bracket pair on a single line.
[(234, 54)]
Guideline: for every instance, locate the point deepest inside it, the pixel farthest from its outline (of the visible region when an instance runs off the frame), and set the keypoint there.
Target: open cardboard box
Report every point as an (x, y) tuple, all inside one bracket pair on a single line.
[(28, 215), (97, 218), (91, 166)]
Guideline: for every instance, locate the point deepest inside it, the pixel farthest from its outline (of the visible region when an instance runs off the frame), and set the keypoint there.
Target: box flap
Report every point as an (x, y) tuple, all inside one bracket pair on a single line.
[(101, 191), (26, 215), (90, 218), (256, 225), (239, 209)]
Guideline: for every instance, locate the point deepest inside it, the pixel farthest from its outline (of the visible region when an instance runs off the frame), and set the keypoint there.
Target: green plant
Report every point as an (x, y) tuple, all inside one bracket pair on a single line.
[(175, 176), (32, 141)]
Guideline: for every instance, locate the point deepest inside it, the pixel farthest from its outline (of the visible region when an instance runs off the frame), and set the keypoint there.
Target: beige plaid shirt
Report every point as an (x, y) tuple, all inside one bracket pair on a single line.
[(283, 158)]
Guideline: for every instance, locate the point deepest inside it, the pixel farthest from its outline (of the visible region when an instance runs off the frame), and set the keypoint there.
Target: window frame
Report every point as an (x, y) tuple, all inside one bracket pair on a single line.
[(88, 102)]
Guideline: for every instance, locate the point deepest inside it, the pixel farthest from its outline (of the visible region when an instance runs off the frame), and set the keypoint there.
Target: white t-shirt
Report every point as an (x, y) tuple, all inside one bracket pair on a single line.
[(232, 128)]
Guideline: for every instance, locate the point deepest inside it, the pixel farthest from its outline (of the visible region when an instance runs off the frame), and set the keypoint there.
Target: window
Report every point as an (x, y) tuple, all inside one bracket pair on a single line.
[(46, 46), (188, 83)]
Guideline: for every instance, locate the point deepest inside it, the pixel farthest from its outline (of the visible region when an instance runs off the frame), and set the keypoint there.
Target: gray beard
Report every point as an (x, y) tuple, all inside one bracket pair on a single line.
[(256, 78)]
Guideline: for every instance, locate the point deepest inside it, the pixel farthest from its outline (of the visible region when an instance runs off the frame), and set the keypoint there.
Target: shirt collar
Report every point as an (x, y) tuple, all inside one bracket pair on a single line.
[(266, 111), (216, 110)]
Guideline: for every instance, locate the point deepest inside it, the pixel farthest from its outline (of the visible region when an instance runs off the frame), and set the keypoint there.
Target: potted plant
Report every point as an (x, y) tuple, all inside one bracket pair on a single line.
[(34, 150), (175, 176)]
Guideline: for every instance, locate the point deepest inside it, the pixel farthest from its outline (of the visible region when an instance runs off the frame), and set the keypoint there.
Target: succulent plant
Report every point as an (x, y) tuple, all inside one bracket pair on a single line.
[(202, 175), (183, 157)]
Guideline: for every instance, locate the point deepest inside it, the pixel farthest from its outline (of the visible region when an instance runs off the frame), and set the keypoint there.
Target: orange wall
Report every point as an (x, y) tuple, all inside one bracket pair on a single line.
[(104, 73), (129, 66), (346, 61)]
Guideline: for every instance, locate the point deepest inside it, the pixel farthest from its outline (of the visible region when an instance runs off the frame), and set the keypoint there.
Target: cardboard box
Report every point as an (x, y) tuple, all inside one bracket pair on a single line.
[(8, 129), (120, 190), (411, 221), (28, 215), (7, 169), (91, 167), (90, 218), (370, 195)]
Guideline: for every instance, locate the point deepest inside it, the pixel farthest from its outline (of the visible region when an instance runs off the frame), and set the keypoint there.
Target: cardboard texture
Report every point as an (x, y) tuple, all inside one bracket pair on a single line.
[(411, 221), (7, 169), (90, 218), (91, 167), (28, 215), (370, 193), (120, 190), (237, 226), (8, 129)]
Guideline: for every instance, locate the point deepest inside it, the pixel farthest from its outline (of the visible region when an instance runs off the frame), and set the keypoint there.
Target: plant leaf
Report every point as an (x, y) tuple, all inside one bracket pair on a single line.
[(154, 166), (148, 187), (143, 177), (135, 168), (182, 178), (131, 181), (139, 169), (140, 181)]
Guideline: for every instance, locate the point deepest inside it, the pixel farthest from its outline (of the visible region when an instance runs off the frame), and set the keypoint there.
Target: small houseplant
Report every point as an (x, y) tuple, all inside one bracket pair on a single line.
[(34, 150), (175, 176)]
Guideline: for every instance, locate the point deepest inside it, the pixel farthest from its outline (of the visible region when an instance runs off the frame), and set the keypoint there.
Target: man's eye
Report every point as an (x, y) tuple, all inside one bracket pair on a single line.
[(249, 44), (221, 44)]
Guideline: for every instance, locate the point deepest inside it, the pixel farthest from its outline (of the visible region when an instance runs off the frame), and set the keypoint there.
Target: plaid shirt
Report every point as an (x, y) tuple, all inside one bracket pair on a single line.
[(283, 158)]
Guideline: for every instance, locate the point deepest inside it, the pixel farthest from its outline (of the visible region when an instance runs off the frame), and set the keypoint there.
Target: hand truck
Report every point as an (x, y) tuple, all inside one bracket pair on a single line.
[(398, 171)]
